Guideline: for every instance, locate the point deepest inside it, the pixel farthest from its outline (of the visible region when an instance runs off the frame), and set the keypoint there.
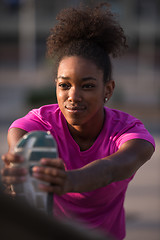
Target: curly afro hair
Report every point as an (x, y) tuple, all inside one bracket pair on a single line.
[(92, 33)]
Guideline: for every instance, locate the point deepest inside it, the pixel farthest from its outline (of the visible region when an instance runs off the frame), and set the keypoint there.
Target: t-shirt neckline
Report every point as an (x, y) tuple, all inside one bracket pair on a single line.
[(96, 142)]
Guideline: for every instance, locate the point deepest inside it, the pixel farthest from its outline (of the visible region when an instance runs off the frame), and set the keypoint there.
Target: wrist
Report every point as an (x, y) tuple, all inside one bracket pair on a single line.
[(71, 183)]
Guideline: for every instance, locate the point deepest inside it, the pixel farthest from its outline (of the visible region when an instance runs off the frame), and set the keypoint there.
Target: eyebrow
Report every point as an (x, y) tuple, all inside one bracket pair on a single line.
[(84, 79), (65, 78)]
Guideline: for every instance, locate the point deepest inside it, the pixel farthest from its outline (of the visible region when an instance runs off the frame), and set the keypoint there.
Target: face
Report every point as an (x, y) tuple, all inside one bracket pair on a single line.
[(80, 90)]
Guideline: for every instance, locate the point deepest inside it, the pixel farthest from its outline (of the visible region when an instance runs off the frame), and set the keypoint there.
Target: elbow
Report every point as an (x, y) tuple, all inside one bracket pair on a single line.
[(130, 158), (147, 152)]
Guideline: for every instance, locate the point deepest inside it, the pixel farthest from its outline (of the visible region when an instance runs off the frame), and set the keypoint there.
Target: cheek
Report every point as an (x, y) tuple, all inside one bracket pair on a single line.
[(60, 96), (98, 97)]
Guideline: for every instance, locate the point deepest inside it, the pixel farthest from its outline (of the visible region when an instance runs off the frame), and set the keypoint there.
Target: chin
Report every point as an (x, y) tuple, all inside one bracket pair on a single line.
[(75, 122), (75, 119)]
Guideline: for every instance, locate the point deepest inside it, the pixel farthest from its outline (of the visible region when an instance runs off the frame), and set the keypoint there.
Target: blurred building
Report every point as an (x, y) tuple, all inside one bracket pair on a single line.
[(25, 25)]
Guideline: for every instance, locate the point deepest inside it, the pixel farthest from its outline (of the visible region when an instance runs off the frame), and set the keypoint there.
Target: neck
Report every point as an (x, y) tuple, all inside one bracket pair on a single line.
[(85, 135)]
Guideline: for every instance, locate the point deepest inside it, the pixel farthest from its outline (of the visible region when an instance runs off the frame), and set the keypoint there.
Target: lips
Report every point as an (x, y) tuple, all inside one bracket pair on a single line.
[(75, 108)]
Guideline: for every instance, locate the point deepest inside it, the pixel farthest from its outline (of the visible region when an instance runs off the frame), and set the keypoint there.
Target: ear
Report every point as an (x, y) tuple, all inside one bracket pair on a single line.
[(109, 88)]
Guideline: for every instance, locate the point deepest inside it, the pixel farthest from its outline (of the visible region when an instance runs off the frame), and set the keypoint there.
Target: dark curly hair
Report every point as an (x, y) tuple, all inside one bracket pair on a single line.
[(92, 33)]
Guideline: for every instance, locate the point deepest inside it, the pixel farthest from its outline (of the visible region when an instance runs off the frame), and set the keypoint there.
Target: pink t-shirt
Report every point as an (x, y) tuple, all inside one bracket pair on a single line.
[(101, 208)]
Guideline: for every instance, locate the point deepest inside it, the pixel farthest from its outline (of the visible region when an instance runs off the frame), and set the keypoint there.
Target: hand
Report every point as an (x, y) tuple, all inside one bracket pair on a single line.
[(52, 171), (12, 175)]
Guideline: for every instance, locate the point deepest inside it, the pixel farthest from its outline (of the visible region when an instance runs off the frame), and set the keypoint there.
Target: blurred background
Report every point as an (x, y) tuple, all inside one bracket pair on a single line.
[(27, 81)]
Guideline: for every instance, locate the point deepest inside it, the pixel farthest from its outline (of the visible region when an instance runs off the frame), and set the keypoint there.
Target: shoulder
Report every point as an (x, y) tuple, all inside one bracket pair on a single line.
[(47, 113), (123, 127), (46, 110), (43, 118), (119, 118)]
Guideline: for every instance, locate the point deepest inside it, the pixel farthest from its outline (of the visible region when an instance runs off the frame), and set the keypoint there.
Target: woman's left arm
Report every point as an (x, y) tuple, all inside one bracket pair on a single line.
[(129, 158), (116, 167)]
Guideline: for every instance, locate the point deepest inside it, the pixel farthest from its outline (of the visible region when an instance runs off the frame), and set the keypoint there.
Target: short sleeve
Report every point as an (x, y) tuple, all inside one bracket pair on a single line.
[(136, 130), (31, 122)]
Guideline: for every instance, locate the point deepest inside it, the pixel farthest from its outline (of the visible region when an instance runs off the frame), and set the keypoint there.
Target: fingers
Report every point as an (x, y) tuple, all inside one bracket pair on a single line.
[(13, 175), (56, 162), (14, 171), (11, 158), (13, 179), (50, 175), (53, 172), (56, 178), (52, 188), (50, 170), (48, 178)]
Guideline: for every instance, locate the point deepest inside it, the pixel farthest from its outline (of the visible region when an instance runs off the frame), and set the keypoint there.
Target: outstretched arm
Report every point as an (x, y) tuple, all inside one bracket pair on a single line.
[(14, 134), (116, 167), (10, 175)]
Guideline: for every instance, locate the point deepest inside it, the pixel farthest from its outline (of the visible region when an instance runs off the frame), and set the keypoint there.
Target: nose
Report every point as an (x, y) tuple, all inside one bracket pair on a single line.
[(74, 95)]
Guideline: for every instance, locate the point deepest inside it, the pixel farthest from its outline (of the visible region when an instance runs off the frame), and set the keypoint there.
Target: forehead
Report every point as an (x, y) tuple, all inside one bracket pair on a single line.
[(79, 66)]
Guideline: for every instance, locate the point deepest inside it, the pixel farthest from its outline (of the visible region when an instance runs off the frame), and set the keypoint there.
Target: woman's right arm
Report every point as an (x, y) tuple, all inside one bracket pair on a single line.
[(13, 175), (14, 134)]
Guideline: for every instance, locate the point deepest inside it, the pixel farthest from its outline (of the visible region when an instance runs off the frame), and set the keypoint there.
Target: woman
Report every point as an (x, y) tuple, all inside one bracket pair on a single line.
[(100, 149)]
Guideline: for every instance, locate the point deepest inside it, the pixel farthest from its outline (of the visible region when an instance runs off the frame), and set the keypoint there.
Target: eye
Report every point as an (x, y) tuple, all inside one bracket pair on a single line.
[(63, 86), (88, 86)]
